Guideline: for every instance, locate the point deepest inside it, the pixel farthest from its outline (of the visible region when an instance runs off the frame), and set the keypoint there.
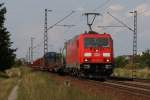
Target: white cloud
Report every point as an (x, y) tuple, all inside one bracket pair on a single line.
[(116, 7), (143, 9), (80, 9), (101, 21), (115, 10)]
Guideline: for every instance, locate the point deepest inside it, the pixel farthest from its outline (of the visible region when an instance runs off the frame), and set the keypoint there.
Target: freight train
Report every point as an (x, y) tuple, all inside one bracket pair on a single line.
[(88, 55), (53, 62)]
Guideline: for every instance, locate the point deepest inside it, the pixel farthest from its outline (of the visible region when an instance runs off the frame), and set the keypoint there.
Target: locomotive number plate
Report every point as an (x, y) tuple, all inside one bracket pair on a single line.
[(96, 54)]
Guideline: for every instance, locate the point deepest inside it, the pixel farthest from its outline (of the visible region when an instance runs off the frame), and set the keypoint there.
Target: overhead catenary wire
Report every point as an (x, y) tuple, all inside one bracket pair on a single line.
[(109, 26), (102, 5), (147, 10), (61, 20), (38, 45), (120, 22)]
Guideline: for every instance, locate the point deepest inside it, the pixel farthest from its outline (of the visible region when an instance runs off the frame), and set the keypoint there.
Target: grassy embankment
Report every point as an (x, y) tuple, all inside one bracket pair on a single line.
[(37, 85), (7, 83), (140, 73)]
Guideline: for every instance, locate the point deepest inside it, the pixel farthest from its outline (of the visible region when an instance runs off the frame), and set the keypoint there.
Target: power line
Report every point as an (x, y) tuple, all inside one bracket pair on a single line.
[(29, 54), (45, 37), (32, 50), (109, 26), (102, 5), (38, 45), (65, 25), (61, 20), (46, 33), (125, 25), (134, 37)]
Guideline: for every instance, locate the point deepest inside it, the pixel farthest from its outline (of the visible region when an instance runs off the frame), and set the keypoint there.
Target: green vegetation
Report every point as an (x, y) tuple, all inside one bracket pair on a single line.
[(8, 80), (144, 60), (6, 85), (125, 67), (7, 55), (36, 85), (140, 73), (42, 86), (141, 61)]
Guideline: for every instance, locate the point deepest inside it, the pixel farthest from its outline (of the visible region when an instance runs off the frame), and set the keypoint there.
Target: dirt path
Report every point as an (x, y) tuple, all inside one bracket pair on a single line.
[(13, 95)]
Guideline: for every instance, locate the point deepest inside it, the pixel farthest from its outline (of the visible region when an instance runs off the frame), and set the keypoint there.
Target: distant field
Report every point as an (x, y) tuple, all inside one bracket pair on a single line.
[(43, 86), (140, 73)]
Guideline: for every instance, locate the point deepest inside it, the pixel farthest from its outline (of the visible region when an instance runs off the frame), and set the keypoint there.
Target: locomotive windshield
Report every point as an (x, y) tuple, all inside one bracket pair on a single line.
[(96, 42)]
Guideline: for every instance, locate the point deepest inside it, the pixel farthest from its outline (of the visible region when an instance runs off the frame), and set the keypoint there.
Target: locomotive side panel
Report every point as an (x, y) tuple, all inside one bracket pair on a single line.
[(37, 63), (72, 53)]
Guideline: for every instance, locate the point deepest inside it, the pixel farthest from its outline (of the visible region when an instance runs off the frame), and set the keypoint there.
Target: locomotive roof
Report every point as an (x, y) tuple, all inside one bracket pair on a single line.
[(95, 34), (90, 33)]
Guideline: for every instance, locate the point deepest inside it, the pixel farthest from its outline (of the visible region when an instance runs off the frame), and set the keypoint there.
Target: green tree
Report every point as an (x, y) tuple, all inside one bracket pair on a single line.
[(7, 55), (120, 61), (145, 58)]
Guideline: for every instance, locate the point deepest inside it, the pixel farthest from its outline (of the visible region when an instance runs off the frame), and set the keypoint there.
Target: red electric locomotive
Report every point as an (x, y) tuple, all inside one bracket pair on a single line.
[(37, 63), (90, 54)]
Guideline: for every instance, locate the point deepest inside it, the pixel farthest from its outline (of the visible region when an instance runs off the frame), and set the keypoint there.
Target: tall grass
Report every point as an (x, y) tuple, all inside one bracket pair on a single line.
[(7, 81), (6, 86), (42, 86)]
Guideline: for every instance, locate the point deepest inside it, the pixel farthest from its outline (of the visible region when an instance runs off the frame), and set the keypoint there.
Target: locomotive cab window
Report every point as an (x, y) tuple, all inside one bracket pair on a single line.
[(96, 42)]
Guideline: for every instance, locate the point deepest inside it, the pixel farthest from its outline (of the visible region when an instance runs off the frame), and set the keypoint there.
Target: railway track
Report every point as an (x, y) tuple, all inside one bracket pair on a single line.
[(142, 80), (141, 83), (131, 88), (128, 87), (135, 84), (130, 79), (136, 88)]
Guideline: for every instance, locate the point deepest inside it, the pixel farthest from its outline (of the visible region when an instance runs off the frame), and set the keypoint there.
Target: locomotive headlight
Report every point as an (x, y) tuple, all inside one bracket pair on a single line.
[(87, 54), (106, 54), (86, 60), (107, 60)]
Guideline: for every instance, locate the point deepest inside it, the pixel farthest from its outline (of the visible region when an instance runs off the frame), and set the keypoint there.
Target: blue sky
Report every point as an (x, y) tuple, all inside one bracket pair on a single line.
[(25, 19)]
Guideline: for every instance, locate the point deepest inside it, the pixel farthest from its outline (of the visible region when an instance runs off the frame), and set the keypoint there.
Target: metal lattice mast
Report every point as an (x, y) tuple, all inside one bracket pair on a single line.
[(29, 55), (134, 43), (133, 30), (32, 50), (45, 38), (134, 38), (135, 35)]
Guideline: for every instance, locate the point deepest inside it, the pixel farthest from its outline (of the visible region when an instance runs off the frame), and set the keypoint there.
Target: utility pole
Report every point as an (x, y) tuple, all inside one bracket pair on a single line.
[(29, 55), (46, 32), (88, 19), (135, 36), (45, 37), (134, 43), (134, 39), (32, 50)]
